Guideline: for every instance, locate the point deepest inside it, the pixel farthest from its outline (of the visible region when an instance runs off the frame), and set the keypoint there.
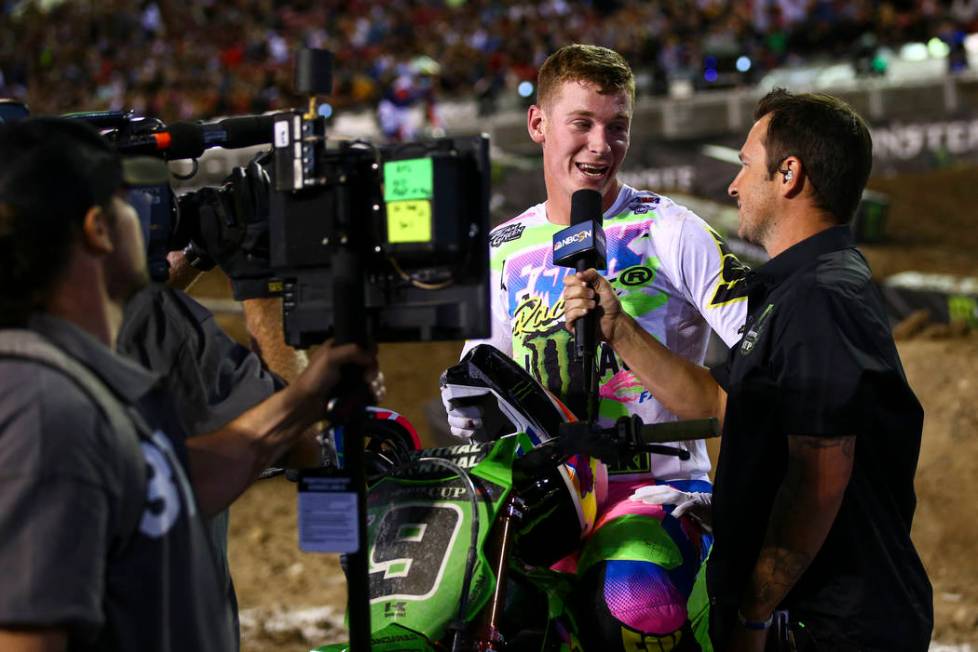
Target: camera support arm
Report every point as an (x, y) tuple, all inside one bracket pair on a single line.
[(349, 412)]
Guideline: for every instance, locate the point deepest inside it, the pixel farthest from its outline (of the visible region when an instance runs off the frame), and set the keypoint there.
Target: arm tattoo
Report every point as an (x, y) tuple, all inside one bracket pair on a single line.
[(799, 521), (846, 444), (776, 572), (779, 567)]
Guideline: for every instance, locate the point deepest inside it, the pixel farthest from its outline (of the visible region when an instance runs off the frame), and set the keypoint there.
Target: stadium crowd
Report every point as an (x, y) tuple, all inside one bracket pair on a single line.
[(195, 60)]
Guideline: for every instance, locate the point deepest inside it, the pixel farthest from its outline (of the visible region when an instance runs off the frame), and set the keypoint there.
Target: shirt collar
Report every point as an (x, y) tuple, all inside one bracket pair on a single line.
[(126, 378), (802, 254)]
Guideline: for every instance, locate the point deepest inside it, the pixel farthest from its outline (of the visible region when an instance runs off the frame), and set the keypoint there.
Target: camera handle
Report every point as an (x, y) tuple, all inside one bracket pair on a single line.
[(348, 411)]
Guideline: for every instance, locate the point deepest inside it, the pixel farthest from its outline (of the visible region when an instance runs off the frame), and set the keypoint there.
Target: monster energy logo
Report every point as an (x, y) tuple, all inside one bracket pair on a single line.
[(522, 389), (754, 332)]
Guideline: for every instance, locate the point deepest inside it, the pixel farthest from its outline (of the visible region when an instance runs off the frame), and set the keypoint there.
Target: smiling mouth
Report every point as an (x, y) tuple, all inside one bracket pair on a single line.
[(592, 170)]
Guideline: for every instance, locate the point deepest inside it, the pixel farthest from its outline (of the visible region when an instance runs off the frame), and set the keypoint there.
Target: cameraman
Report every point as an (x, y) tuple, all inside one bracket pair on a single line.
[(212, 378), (103, 547)]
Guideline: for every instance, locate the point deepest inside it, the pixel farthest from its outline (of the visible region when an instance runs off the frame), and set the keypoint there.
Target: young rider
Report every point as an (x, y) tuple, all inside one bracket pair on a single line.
[(674, 275)]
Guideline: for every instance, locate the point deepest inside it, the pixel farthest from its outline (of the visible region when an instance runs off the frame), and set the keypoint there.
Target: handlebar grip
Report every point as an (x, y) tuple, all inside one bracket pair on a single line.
[(673, 431)]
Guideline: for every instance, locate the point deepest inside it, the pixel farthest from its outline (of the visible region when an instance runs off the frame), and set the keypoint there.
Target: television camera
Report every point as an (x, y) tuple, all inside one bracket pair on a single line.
[(411, 220), (364, 243)]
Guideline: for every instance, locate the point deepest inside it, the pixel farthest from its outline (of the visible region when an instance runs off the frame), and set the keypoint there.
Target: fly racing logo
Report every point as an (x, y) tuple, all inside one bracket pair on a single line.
[(506, 234), (643, 204), (638, 463), (755, 330)]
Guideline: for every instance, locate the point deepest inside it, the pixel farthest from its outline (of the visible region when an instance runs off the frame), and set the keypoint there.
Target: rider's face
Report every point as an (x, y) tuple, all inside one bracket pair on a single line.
[(584, 134)]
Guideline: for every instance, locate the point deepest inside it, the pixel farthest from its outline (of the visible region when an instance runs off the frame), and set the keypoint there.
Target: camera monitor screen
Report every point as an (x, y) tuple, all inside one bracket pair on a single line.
[(415, 215)]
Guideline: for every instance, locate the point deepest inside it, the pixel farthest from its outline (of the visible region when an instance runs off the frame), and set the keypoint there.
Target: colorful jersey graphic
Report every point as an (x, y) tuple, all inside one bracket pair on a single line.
[(672, 273)]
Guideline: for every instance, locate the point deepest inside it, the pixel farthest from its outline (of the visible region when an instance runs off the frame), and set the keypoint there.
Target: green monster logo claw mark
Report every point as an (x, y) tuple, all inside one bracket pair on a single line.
[(754, 332)]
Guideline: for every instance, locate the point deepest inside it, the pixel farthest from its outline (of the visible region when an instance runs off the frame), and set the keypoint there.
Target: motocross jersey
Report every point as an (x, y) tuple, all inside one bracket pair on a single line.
[(672, 273)]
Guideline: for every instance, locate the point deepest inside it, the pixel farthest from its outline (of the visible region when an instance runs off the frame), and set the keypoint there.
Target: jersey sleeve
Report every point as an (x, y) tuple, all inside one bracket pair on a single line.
[(501, 334), (212, 378), (56, 504), (712, 277), (234, 377)]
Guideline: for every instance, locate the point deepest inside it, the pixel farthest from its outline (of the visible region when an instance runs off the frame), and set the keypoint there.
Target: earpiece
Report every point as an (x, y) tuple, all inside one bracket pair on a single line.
[(788, 175)]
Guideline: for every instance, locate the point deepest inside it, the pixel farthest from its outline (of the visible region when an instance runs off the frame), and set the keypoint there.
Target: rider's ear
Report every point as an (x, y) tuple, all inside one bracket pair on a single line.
[(535, 122)]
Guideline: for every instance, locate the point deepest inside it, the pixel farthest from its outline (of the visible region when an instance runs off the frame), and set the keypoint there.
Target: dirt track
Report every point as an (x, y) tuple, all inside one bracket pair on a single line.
[(933, 228)]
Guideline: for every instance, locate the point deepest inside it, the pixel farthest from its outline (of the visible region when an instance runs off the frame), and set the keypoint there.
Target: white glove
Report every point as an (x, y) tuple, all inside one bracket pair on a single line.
[(663, 494), (464, 420)]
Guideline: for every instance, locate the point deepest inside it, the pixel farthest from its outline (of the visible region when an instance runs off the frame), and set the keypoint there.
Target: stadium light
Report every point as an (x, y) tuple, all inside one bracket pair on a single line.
[(525, 89), (937, 48), (914, 52)]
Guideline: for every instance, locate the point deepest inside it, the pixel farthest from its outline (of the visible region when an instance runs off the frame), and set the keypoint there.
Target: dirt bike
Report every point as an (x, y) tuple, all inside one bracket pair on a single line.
[(461, 539)]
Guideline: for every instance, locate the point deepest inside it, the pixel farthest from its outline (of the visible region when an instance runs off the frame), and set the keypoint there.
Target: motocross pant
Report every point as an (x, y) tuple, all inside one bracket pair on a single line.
[(636, 572)]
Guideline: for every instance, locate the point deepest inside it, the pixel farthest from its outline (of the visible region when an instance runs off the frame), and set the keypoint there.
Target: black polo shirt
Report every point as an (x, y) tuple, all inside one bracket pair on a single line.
[(817, 359), (210, 376)]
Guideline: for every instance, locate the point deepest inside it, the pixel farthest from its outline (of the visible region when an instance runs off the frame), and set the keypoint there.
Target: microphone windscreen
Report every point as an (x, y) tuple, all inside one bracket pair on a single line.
[(585, 205), (248, 131), (186, 140)]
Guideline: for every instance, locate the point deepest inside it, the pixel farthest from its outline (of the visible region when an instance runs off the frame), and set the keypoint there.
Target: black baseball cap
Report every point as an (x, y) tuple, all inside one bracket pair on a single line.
[(67, 164), (12, 110)]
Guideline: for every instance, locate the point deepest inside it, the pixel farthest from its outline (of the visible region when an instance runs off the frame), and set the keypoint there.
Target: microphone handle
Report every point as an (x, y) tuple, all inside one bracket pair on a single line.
[(585, 345), (585, 333)]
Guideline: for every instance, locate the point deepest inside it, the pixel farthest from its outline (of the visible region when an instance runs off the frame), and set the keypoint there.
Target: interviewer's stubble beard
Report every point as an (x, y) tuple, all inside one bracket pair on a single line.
[(125, 283)]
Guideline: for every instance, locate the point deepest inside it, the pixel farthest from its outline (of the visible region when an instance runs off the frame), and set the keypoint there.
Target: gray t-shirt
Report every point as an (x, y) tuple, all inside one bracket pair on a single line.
[(210, 378), (69, 557)]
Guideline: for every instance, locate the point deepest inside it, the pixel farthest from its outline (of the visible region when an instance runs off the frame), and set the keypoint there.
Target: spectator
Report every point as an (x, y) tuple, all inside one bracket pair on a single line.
[(79, 56)]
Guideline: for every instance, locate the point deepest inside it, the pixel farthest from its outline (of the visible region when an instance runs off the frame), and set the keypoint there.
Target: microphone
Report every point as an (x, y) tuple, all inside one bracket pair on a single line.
[(581, 246), (189, 139)]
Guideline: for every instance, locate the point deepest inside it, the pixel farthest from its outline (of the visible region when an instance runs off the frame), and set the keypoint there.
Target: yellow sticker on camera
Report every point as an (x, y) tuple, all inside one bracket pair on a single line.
[(409, 221)]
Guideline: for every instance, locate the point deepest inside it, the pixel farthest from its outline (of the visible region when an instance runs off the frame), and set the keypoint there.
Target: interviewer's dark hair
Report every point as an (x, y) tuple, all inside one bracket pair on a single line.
[(51, 172), (830, 139)]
